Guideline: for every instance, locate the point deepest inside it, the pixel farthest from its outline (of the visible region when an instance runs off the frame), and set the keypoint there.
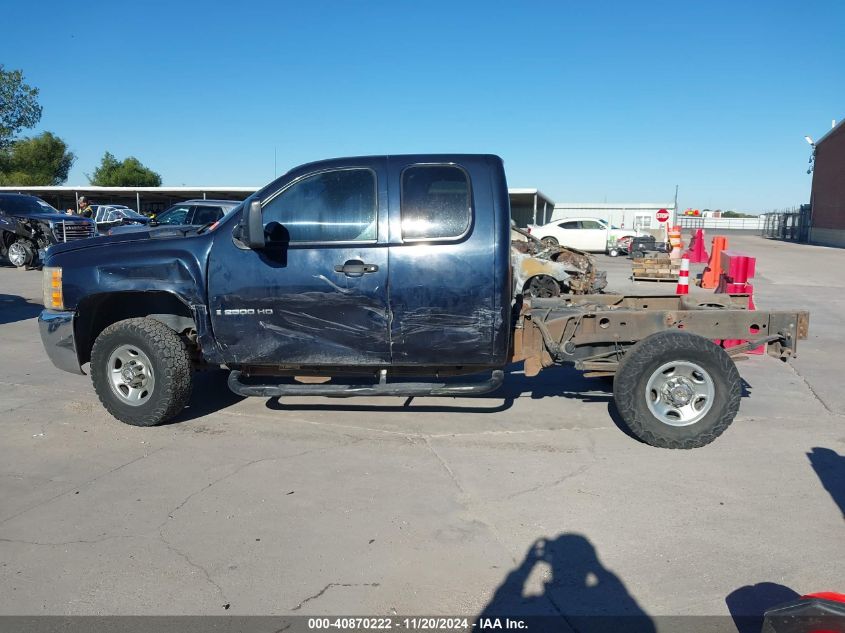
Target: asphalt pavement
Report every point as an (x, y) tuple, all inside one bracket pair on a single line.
[(531, 498)]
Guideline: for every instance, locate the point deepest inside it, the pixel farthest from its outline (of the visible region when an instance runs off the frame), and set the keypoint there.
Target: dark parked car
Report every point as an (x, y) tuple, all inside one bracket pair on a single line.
[(189, 213), (28, 225)]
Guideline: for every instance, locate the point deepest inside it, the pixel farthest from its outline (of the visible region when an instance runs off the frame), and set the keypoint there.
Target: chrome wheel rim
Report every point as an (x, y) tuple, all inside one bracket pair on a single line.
[(680, 393), (17, 254), (131, 375)]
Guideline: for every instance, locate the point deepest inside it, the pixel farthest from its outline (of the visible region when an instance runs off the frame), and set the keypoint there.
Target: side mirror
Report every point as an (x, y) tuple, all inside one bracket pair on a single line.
[(252, 226)]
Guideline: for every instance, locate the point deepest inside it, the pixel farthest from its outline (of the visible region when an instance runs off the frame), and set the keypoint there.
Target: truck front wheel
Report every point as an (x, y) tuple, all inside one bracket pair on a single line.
[(21, 253), (141, 371), (677, 390)]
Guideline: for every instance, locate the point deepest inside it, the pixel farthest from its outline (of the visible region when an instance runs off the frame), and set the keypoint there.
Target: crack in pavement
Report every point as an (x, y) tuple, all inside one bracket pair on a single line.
[(813, 391), (188, 560), (80, 486), (464, 500), (329, 586), (60, 543), (551, 484), (445, 466), (182, 554)]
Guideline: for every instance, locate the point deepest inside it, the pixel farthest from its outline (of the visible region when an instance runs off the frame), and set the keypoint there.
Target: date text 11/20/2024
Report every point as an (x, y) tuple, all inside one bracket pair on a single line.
[(416, 623)]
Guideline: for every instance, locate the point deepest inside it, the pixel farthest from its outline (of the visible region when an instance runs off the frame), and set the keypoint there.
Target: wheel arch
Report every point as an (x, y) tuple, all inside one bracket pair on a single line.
[(96, 312)]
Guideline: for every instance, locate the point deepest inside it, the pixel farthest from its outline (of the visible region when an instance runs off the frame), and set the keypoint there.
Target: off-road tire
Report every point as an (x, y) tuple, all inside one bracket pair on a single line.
[(643, 359), (170, 361)]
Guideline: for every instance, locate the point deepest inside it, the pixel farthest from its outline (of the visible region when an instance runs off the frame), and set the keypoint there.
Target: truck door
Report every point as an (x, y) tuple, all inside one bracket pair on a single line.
[(317, 294), (448, 263)]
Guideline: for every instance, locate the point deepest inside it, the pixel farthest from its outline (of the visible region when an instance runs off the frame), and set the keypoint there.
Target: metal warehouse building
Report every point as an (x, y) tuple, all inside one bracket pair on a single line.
[(827, 199)]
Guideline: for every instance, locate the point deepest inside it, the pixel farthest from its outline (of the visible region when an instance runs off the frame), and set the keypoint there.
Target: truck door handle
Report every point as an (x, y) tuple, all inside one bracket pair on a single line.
[(355, 268)]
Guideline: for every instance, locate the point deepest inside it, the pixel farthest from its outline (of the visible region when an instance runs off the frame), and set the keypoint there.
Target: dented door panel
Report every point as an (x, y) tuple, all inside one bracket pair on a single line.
[(288, 304)]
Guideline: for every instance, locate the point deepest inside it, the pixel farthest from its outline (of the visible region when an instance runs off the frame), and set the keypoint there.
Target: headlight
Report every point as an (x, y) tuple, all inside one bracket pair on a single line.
[(52, 286)]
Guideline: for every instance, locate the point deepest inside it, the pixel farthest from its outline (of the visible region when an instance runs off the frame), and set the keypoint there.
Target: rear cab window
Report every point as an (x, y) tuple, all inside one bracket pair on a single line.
[(436, 203)]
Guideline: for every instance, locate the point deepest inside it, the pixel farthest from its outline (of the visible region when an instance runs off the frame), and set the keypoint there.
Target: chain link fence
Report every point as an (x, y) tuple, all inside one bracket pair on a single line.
[(791, 224)]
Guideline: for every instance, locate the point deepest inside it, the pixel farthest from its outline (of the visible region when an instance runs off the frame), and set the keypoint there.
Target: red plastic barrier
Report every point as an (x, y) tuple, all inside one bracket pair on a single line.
[(737, 269), (826, 595), (697, 253)]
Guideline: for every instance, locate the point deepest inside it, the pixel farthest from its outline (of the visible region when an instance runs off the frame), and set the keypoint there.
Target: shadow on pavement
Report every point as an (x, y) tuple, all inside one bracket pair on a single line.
[(830, 468), (576, 591), (15, 308), (747, 604), (211, 393)]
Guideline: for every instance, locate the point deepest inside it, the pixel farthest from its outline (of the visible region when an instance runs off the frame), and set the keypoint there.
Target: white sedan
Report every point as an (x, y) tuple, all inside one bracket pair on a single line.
[(586, 234)]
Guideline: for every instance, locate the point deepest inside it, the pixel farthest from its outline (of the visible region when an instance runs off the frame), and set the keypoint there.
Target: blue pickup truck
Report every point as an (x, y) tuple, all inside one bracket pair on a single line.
[(381, 275)]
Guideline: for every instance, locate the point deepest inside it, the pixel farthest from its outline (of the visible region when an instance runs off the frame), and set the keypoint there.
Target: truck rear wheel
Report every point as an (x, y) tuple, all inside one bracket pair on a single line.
[(677, 390), (141, 371)]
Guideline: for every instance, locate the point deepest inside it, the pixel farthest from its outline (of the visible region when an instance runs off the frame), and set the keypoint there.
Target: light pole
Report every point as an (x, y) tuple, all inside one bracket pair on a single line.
[(812, 144)]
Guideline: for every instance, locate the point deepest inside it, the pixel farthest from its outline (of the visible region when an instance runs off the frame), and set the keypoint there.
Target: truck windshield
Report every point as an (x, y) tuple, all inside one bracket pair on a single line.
[(24, 204)]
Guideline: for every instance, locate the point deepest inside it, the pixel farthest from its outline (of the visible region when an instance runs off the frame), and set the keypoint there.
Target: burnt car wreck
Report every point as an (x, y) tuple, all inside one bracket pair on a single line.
[(543, 270), (28, 226)]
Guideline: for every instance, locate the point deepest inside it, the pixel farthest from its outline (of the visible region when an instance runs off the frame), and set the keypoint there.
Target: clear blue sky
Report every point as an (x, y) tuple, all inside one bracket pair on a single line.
[(589, 101)]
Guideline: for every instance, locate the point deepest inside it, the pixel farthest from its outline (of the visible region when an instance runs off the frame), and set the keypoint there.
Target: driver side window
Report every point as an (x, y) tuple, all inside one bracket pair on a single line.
[(331, 206)]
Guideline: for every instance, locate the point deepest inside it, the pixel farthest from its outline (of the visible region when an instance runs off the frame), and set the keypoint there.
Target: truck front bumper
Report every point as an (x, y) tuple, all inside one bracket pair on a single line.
[(57, 335)]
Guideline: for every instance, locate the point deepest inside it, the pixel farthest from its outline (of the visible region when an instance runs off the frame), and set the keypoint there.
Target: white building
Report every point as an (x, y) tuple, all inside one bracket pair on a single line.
[(641, 215)]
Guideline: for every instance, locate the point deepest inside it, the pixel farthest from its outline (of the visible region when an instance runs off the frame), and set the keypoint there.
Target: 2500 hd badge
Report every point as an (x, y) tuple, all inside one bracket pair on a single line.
[(242, 311)]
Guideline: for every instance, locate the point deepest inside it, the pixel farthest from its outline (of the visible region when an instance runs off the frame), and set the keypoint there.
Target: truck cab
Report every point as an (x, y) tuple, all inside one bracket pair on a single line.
[(368, 262)]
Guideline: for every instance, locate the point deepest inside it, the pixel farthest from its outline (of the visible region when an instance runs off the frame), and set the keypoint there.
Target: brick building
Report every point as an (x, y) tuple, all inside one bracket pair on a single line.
[(827, 199)]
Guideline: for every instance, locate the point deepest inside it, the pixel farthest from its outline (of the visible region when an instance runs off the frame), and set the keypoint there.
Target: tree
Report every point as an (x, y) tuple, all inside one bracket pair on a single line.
[(127, 173), (19, 107), (41, 160)]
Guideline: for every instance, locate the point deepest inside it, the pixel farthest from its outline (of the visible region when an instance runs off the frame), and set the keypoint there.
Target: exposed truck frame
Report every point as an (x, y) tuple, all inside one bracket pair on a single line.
[(593, 332)]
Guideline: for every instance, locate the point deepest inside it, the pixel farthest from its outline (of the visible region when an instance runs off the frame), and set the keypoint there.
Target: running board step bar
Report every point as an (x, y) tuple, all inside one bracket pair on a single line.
[(404, 389)]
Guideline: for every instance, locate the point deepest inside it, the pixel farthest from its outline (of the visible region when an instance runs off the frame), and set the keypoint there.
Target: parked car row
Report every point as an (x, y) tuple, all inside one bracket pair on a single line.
[(28, 225), (191, 213)]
